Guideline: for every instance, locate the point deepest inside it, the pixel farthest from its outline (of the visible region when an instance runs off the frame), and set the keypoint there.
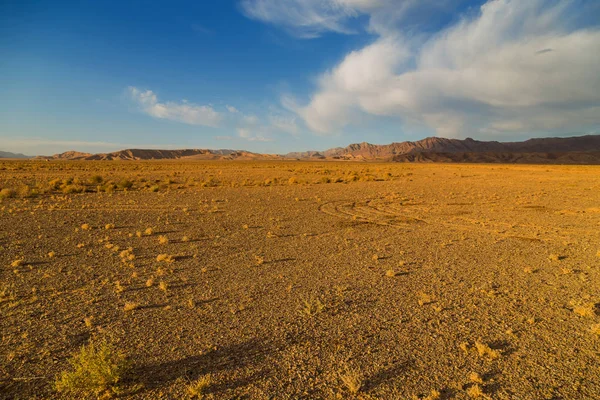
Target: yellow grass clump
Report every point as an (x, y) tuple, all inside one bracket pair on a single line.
[(352, 380), (485, 350), (197, 388), (97, 369), (166, 258)]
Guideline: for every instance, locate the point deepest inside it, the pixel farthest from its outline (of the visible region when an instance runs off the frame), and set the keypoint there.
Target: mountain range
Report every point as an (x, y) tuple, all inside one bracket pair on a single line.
[(7, 154), (569, 150)]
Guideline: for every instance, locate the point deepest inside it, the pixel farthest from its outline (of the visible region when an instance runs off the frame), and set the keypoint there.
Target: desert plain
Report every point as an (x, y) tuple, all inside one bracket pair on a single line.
[(302, 280)]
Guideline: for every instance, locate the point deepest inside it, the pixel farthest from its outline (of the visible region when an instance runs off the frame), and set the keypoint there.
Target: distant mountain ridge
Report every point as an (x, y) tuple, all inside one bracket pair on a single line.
[(389, 152), (568, 150), (8, 154), (151, 154)]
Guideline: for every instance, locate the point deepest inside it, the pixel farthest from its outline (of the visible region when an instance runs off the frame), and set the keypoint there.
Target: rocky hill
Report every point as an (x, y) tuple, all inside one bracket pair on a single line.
[(551, 150), (150, 154)]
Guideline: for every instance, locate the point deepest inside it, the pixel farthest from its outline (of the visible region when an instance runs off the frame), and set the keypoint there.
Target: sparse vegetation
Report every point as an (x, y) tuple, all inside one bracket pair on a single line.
[(98, 368), (311, 306), (399, 272), (485, 350), (197, 389), (352, 380)]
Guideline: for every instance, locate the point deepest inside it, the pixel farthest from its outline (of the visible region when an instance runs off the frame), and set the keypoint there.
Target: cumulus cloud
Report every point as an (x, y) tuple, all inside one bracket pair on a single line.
[(515, 66), (188, 113), (232, 109)]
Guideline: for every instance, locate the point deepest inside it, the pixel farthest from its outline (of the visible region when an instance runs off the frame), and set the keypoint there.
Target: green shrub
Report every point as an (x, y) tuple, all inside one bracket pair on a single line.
[(97, 368)]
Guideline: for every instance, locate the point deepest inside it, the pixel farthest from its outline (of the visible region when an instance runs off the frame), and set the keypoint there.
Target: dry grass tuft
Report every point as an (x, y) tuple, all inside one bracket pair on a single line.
[(162, 239), (311, 306), (17, 263), (51, 254), (475, 392), (555, 257), (150, 282), (7, 293), (424, 299), (130, 306), (197, 388), (109, 226), (475, 378), (433, 395), (595, 329), (163, 286), (166, 258), (485, 350), (97, 369), (587, 310), (86, 227), (149, 231), (352, 379)]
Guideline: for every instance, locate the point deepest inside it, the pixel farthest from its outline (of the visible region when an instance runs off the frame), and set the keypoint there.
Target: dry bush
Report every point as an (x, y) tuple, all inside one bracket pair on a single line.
[(475, 377), (17, 263), (7, 193), (475, 392), (587, 310), (162, 285), (311, 306), (7, 292), (130, 306), (162, 239), (352, 379), (166, 258), (97, 369), (197, 388), (485, 350), (424, 299)]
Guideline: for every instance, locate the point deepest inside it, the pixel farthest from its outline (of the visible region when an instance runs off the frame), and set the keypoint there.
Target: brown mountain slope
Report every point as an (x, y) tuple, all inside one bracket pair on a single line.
[(574, 157), (442, 145), (151, 154)]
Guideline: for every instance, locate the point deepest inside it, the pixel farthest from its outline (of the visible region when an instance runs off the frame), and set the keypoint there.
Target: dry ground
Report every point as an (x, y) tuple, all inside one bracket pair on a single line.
[(289, 279)]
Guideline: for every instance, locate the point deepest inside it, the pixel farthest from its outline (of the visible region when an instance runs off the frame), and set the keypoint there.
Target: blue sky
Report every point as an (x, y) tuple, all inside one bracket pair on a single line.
[(291, 75)]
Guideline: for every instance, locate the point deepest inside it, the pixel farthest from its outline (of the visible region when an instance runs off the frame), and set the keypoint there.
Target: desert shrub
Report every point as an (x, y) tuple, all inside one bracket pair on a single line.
[(125, 184), (97, 368), (197, 389), (7, 193), (311, 306), (353, 380), (68, 189), (27, 192), (96, 179)]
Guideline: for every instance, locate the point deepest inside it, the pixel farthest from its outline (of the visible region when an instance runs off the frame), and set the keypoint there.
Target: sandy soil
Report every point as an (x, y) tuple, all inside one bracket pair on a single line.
[(409, 278)]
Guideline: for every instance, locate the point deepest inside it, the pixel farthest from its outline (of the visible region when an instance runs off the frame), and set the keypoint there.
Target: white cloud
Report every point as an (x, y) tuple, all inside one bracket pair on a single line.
[(250, 136), (185, 112), (232, 109), (516, 66)]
